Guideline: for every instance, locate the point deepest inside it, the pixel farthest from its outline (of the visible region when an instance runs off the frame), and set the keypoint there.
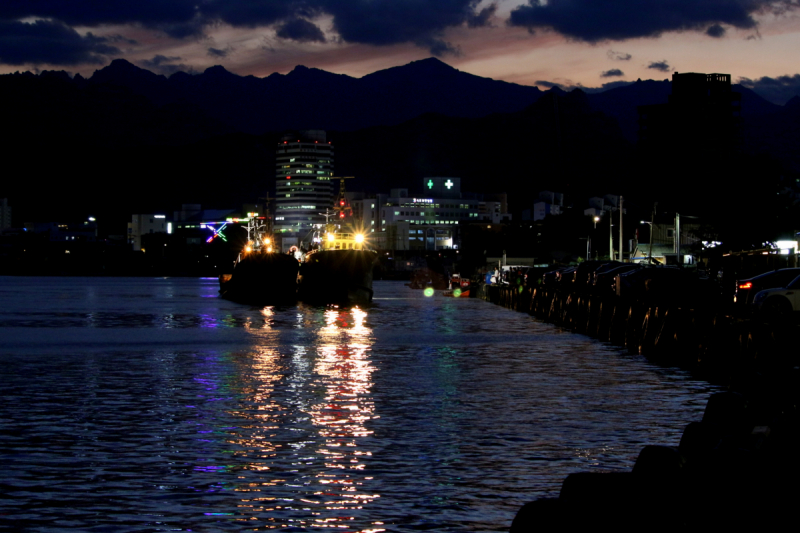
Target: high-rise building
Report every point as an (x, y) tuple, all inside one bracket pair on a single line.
[(703, 114), (303, 189)]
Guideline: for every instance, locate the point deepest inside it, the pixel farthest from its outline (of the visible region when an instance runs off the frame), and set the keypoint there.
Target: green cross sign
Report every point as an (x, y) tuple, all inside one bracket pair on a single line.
[(430, 184), (449, 184)]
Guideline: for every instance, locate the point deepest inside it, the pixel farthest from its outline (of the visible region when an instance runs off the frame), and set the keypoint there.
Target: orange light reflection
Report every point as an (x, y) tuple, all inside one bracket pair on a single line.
[(337, 365), (345, 369)]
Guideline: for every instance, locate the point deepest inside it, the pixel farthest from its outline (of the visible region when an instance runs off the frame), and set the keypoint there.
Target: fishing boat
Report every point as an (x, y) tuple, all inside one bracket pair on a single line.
[(458, 287), (338, 269), (261, 276)]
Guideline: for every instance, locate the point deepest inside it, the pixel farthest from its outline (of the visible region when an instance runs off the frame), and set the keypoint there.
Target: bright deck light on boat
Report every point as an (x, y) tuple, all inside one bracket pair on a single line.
[(248, 249), (359, 237), (331, 237), (269, 248), (266, 240)]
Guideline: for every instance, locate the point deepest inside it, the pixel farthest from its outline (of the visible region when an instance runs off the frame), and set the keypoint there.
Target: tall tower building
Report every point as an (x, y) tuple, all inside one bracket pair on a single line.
[(303, 189)]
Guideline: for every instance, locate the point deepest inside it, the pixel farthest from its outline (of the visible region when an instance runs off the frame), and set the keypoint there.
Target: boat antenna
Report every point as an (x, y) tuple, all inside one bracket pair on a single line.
[(340, 205)]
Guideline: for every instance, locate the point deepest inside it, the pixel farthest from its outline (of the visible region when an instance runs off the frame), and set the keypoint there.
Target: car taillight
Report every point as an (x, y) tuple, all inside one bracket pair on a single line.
[(745, 286)]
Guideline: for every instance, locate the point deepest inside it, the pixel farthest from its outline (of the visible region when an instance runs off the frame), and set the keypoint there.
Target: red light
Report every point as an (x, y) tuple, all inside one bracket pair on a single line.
[(341, 202), (287, 177), (341, 215), (748, 285)]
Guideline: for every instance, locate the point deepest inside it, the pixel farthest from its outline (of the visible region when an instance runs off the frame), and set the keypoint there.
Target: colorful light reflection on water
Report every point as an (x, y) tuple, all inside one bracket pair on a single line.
[(322, 423), (146, 405)]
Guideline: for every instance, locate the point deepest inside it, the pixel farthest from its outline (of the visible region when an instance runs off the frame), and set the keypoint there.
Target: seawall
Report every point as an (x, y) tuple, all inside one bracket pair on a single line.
[(737, 467)]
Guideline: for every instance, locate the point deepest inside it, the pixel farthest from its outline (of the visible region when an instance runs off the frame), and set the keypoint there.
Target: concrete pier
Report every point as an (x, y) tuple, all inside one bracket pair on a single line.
[(736, 468)]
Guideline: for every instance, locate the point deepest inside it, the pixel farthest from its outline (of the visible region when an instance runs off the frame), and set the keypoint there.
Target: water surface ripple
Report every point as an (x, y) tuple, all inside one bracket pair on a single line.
[(153, 405)]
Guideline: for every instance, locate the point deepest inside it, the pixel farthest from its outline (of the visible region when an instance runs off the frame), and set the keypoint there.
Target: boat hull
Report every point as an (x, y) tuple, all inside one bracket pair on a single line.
[(337, 277), (262, 279)]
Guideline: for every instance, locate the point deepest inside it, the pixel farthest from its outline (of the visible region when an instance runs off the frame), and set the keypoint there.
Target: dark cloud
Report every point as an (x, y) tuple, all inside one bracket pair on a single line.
[(593, 21), (715, 31), (618, 56), (166, 65), (52, 43), (177, 18), (777, 90), (93, 13), (610, 85), (375, 22), (386, 22), (548, 84), (483, 18), (216, 52), (121, 39), (588, 90), (439, 48), (661, 66), (300, 30), (255, 13), (181, 30), (159, 60), (614, 72)]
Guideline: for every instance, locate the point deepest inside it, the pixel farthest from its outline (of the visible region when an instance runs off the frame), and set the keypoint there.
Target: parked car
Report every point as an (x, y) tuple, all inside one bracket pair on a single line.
[(633, 284), (605, 282), (583, 274), (566, 277), (604, 267), (746, 289), (779, 302), (551, 277)]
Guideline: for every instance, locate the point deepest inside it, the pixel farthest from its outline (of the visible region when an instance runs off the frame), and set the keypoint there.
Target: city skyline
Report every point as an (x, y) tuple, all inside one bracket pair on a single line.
[(536, 43)]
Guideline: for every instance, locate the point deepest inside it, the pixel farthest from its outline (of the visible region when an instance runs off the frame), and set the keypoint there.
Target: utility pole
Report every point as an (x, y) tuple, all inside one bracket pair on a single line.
[(621, 247), (610, 234), (652, 227)]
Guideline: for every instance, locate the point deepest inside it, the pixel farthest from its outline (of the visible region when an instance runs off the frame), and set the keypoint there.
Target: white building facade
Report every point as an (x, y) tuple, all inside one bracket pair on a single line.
[(303, 187), (428, 221), (145, 224)]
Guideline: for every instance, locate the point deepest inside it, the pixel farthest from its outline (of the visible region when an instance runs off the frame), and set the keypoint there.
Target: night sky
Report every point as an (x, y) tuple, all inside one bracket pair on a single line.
[(585, 43)]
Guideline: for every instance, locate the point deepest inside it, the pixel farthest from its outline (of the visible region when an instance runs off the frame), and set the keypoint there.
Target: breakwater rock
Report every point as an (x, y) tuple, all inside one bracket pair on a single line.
[(736, 468)]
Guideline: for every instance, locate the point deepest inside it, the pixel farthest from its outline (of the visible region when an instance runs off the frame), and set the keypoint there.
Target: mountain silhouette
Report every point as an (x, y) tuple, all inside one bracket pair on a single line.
[(141, 142), (307, 98)]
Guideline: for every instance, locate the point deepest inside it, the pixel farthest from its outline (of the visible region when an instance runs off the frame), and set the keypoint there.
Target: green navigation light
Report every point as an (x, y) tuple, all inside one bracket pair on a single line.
[(430, 184), (428, 292), (456, 293)]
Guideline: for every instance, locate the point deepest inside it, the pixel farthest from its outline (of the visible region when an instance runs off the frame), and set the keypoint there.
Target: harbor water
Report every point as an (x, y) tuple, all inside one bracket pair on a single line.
[(136, 404)]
